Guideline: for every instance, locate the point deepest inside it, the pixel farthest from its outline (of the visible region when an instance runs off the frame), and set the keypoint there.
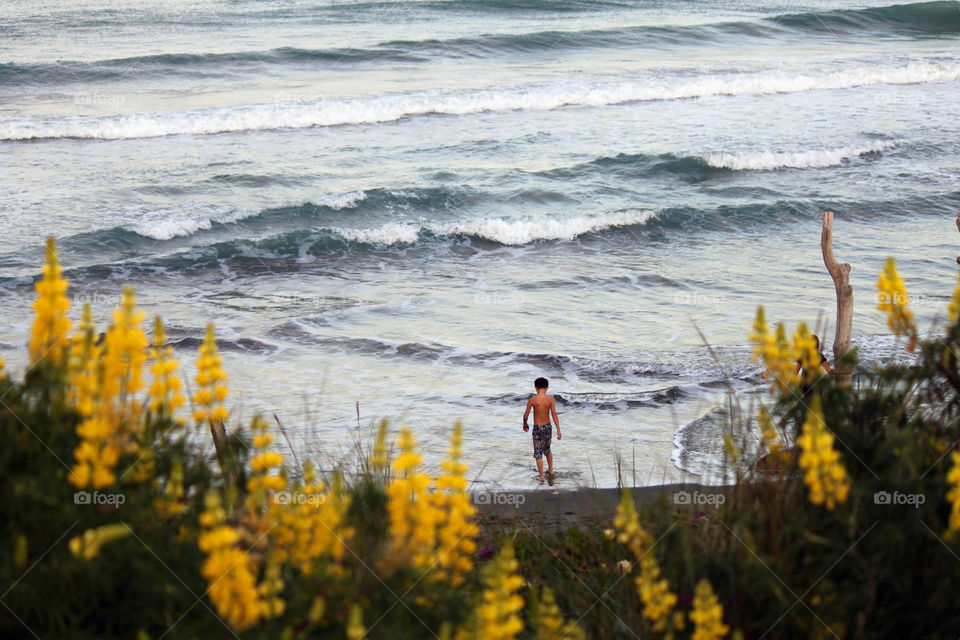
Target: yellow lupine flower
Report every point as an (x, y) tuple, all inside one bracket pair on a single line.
[(213, 513), (355, 628), (629, 531), (317, 608), (230, 572), (413, 516), (824, 473), (233, 588), (778, 355), (165, 396), (261, 482), (498, 614), (124, 354), (270, 589), (782, 363), (171, 503), (707, 614), (658, 601), (212, 382), (456, 529), (317, 521), (549, 623), (770, 436), (103, 387), (805, 350), (97, 454), (87, 546), (378, 460), (84, 367), (216, 538), (48, 338), (893, 300), (953, 309), (953, 496), (266, 461), (2, 374)]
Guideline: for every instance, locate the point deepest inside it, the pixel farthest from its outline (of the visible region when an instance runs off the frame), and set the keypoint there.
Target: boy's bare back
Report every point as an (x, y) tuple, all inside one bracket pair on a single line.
[(542, 406)]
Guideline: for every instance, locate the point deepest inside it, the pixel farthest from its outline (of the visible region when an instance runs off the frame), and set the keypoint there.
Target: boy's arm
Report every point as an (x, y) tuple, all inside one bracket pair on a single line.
[(526, 414), (556, 420)]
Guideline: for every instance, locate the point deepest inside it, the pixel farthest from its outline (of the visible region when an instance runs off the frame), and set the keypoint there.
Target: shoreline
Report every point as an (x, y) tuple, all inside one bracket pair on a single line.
[(554, 510)]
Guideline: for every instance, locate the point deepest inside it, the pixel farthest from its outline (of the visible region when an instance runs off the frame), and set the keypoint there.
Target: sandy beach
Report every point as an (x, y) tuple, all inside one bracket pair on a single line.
[(556, 510)]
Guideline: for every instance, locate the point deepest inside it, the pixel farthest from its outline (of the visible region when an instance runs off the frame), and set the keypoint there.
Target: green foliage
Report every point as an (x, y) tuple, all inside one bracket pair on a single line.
[(144, 581), (149, 581)]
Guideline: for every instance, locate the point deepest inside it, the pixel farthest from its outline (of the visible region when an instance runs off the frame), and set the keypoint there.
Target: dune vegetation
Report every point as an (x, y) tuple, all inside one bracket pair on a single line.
[(117, 520)]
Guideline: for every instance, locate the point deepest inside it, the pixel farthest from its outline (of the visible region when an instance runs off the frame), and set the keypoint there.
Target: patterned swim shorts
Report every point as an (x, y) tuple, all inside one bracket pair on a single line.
[(541, 440)]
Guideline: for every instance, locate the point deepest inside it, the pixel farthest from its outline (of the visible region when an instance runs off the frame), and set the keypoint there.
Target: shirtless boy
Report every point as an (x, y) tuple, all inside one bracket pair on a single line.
[(542, 405)]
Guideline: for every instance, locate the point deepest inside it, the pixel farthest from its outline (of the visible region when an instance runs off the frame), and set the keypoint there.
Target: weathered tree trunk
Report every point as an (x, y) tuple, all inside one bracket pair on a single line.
[(841, 280), (958, 229)]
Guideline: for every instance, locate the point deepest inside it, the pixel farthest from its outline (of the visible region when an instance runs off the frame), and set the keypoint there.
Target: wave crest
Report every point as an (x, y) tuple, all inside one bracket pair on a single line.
[(394, 107), (809, 159)]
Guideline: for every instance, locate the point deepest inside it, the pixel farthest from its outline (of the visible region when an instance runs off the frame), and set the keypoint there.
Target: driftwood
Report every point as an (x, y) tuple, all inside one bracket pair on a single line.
[(958, 229), (841, 280)]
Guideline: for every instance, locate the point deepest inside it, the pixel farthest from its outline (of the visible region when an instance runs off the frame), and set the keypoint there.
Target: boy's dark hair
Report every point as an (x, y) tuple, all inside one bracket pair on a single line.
[(541, 383)]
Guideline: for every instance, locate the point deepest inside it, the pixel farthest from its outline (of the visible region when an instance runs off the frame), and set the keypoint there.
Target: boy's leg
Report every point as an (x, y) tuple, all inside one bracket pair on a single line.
[(538, 450), (550, 463)]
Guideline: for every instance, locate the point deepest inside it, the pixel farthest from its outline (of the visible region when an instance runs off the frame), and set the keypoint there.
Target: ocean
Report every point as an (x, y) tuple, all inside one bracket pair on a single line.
[(410, 210)]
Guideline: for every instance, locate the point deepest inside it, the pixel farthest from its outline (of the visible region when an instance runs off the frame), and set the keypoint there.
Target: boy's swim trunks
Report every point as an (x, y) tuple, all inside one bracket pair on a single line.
[(541, 440)]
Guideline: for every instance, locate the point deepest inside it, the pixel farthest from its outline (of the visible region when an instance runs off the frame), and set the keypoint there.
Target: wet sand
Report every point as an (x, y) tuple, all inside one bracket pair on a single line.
[(555, 510)]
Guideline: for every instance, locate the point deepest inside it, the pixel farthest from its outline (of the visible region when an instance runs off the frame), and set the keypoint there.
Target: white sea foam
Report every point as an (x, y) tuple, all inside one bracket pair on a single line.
[(508, 232), (520, 232), (341, 200), (809, 159), (390, 233), (168, 228), (388, 108), (164, 224)]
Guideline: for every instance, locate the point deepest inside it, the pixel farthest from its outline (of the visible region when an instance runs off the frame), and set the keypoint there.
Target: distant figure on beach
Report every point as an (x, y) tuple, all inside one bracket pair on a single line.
[(542, 405), (823, 359)]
